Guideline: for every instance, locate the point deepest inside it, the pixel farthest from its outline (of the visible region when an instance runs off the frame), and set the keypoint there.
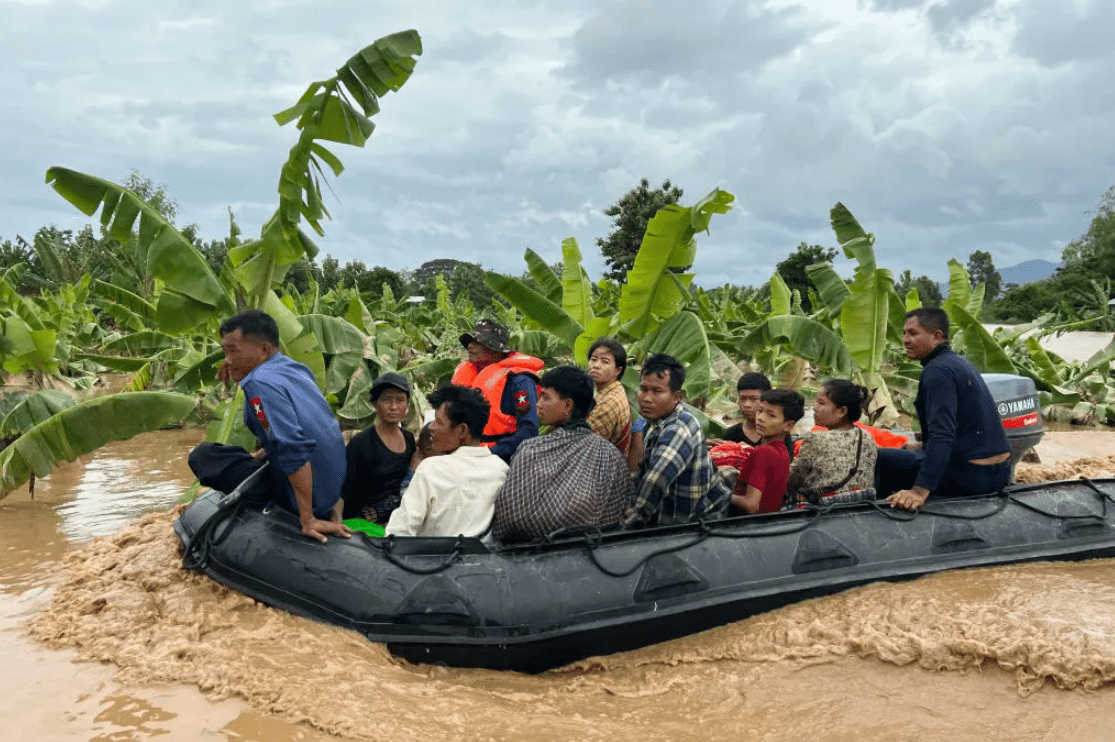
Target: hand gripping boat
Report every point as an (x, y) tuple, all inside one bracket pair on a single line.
[(573, 595)]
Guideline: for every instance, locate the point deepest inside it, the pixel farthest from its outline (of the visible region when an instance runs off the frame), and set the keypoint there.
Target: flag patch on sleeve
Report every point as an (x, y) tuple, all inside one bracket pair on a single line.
[(257, 406)]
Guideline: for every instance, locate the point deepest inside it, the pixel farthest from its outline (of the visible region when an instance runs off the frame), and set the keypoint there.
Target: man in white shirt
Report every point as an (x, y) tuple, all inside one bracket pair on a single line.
[(454, 493)]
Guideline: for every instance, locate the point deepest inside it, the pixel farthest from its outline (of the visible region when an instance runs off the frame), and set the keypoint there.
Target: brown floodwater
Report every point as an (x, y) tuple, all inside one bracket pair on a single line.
[(104, 637)]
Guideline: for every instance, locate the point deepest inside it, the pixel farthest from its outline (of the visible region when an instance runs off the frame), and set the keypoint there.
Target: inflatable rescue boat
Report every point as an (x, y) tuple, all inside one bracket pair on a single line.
[(573, 595)]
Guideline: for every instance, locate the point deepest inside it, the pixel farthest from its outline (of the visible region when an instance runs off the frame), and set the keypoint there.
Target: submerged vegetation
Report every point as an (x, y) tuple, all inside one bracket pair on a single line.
[(145, 298)]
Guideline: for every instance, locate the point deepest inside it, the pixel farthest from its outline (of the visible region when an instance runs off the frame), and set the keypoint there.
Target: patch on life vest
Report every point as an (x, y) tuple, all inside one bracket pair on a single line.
[(522, 403), (257, 405)]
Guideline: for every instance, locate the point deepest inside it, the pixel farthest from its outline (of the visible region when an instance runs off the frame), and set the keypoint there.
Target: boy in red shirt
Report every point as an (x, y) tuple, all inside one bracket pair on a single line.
[(763, 469)]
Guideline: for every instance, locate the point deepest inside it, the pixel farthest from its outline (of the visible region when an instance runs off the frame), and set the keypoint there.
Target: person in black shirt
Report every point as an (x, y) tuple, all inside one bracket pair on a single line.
[(964, 450), (378, 456), (749, 388)]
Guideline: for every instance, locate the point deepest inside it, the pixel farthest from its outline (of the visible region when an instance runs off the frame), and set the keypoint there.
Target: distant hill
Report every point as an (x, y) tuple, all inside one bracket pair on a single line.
[(1028, 272)]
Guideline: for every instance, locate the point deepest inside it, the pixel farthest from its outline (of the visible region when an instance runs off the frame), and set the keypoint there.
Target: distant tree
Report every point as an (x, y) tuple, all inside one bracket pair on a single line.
[(445, 266), (929, 291), (630, 216), (792, 269), (328, 276), (981, 269), (1023, 303), (1093, 253)]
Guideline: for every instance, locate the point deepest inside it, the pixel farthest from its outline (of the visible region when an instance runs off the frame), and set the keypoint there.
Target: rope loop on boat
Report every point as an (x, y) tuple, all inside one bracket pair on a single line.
[(388, 546), (1104, 498), (594, 544)]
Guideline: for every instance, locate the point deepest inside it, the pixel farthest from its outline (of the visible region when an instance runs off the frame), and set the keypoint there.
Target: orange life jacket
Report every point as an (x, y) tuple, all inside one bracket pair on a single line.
[(491, 381)]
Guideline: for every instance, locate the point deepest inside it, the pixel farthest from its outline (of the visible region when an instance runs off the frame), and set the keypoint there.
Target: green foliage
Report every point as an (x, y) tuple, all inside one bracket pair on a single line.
[(794, 270), (981, 269), (630, 218), (86, 427)]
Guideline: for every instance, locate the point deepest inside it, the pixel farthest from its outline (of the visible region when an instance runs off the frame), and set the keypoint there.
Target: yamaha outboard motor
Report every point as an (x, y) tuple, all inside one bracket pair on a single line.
[(1017, 400)]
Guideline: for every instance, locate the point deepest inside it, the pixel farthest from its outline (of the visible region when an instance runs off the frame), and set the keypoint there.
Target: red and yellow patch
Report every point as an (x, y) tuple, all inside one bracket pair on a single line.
[(257, 406), (522, 403)]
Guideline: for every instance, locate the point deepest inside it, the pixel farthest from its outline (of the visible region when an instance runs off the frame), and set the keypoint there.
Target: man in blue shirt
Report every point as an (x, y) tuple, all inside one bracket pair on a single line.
[(292, 422), (964, 450)]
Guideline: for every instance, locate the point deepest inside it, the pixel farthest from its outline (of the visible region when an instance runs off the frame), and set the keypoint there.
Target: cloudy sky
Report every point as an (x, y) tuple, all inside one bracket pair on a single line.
[(946, 126)]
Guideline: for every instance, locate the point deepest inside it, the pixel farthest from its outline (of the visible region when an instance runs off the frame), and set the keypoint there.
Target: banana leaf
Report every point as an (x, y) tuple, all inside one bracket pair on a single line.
[(22, 307), (135, 304), (335, 335), (325, 112), (537, 307), (28, 349), (780, 297), (33, 409), (805, 337), (656, 287), (683, 337), (544, 276), (576, 288), (170, 256), (960, 284), (979, 347), (86, 427), (830, 286), (146, 342), (199, 374)]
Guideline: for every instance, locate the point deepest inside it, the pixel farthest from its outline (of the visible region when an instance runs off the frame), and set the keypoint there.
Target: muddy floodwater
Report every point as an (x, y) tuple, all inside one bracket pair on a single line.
[(104, 637)]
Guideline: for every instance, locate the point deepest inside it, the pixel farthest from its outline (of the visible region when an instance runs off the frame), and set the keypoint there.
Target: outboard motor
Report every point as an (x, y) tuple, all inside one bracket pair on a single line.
[(1016, 398)]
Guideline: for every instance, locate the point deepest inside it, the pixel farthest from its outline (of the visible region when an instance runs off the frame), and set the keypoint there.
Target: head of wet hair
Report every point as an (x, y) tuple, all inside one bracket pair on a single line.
[(932, 319), (852, 397), (753, 380), (463, 406), (790, 400), (660, 364), (613, 346), (254, 325), (572, 383)]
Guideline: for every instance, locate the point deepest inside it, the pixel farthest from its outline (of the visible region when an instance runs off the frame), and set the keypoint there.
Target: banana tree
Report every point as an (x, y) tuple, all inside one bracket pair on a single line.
[(188, 292), (868, 313)]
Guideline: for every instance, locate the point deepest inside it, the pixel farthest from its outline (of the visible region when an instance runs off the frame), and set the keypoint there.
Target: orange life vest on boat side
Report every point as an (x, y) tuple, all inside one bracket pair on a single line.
[(491, 380)]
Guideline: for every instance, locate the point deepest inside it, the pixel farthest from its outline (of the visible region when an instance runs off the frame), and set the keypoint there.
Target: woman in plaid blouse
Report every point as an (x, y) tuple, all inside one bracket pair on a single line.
[(611, 417)]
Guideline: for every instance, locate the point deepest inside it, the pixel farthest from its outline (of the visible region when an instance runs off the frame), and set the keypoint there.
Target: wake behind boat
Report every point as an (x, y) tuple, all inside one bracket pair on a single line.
[(541, 605)]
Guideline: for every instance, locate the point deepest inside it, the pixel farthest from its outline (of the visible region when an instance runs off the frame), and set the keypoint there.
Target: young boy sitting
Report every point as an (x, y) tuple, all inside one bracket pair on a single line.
[(763, 469), (749, 389)]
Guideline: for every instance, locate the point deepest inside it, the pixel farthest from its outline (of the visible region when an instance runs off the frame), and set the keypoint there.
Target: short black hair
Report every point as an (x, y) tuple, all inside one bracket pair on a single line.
[(572, 383), (613, 346), (660, 364), (463, 406), (790, 400), (844, 393), (254, 324), (932, 319), (753, 380)]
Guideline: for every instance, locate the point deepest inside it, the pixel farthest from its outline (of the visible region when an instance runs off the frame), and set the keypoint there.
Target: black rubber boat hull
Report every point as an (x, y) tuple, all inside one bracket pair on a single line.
[(536, 607)]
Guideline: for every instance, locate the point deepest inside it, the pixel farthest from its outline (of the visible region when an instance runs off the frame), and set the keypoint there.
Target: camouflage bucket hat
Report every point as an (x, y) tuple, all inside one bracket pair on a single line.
[(490, 334)]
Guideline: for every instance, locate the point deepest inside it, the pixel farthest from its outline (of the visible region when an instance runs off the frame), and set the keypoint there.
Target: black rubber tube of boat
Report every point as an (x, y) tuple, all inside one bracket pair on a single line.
[(196, 555)]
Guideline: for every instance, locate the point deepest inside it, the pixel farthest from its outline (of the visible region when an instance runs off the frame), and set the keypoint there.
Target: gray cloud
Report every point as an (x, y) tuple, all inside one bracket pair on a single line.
[(1054, 33), (651, 40), (523, 122)]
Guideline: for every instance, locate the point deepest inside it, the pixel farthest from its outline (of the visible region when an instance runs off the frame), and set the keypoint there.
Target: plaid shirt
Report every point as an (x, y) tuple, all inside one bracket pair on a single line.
[(611, 417), (569, 477), (677, 480)]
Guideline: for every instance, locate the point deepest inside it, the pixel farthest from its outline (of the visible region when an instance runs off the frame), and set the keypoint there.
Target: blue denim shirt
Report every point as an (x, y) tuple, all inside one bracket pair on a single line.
[(286, 411)]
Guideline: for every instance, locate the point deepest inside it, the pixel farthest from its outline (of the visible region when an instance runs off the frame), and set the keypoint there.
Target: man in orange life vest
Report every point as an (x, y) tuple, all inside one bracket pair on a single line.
[(508, 380)]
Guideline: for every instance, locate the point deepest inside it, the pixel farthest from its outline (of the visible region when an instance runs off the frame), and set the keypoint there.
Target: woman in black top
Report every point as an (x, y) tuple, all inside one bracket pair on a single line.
[(377, 458)]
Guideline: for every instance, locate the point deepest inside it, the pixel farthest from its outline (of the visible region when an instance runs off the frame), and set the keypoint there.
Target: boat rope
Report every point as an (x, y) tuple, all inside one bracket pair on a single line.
[(196, 555), (593, 537), (387, 546)]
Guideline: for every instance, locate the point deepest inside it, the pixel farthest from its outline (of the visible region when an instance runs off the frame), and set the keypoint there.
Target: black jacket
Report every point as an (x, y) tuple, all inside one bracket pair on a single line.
[(958, 417)]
